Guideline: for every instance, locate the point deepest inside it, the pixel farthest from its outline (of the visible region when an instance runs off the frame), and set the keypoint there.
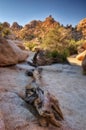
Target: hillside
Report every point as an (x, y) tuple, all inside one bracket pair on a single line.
[(48, 35), (82, 27), (38, 29)]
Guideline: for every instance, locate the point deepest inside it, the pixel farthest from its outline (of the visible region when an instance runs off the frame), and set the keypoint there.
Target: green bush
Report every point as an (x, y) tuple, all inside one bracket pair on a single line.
[(54, 53), (1, 27), (30, 45), (72, 49), (61, 56), (64, 54)]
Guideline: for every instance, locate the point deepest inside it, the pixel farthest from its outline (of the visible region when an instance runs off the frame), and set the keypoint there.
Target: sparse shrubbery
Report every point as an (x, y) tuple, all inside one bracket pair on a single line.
[(59, 43), (58, 56), (30, 45), (4, 31)]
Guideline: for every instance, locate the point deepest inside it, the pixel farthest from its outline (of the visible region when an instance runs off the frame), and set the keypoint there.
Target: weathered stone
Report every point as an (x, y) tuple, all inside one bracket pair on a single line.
[(71, 94), (82, 27), (2, 125), (44, 103), (10, 54), (84, 65), (81, 55), (20, 44)]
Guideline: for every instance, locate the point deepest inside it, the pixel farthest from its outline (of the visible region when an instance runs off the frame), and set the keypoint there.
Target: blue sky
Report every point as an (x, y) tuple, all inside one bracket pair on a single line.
[(24, 11)]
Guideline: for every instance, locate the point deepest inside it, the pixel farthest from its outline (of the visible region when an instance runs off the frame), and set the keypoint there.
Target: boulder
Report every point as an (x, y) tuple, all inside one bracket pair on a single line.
[(10, 53), (81, 48), (81, 56), (2, 125), (41, 58), (84, 65), (14, 116), (20, 44)]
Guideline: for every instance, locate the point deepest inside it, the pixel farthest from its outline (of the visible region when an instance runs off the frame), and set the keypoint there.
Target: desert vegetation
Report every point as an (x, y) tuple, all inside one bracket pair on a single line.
[(48, 35)]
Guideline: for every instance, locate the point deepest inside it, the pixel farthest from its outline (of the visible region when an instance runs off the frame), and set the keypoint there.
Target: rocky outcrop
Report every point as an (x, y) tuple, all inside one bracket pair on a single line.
[(82, 27), (49, 22), (6, 25), (10, 53), (16, 26), (32, 24), (37, 28)]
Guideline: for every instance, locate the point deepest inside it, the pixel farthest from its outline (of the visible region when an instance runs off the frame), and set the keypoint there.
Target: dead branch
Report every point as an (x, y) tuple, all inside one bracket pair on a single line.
[(46, 105)]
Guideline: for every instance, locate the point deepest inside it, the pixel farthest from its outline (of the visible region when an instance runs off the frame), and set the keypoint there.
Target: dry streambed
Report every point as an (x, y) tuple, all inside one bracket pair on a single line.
[(66, 82)]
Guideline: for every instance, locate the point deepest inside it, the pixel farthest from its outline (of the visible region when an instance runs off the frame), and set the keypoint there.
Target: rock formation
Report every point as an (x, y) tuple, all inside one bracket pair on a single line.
[(16, 26), (40, 58), (81, 55), (10, 54), (82, 27), (2, 125), (6, 25), (37, 28)]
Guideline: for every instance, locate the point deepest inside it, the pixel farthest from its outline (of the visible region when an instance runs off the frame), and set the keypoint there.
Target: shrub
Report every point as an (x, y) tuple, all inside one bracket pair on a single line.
[(64, 54), (1, 27), (59, 56), (54, 53), (30, 45)]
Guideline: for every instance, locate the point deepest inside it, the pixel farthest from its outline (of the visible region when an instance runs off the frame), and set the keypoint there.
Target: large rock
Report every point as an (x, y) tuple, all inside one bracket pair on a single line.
[(81, 48), (20, 44), (84, 65), (81, 56), (10, 53), (2, 125)]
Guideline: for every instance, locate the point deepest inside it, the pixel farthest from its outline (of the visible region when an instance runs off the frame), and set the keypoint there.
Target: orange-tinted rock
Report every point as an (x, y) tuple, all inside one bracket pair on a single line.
[(10, 54), (82, 27), (84, 65), (16, 26), (20, 44), (6, 25), (81, 55)]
